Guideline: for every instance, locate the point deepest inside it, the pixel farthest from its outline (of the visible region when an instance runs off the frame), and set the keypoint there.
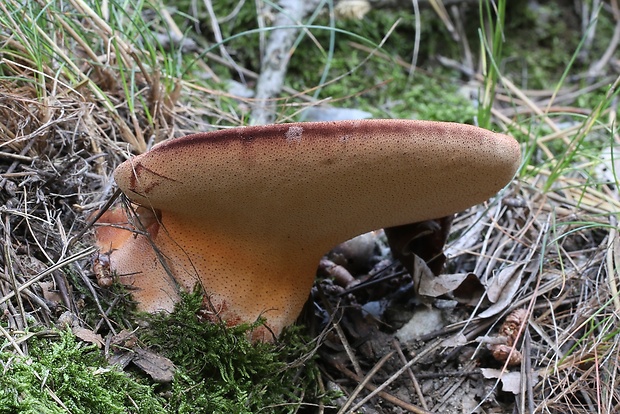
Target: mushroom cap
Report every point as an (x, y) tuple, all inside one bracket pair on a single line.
[(250, 211), (348, 176)]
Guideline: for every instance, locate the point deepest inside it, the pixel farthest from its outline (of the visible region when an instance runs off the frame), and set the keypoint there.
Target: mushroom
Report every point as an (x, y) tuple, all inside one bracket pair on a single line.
[(249, 212)]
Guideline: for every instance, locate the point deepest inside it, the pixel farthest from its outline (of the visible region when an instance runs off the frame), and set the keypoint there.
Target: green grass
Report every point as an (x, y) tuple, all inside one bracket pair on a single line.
[(119, 62)]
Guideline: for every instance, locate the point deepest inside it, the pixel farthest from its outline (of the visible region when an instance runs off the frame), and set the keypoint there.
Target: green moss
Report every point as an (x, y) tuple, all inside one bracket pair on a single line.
[(379, 84), (60, 372), (219, 370), (542, 38)]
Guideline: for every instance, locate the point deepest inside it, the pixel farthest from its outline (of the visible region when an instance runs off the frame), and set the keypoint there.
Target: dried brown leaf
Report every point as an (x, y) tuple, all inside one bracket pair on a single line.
[(502, 289), (88, 335), (160, 368), (511, 381)]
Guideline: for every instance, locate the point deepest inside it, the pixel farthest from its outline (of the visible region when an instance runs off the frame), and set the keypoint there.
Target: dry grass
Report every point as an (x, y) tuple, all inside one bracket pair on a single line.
[(87, 93)]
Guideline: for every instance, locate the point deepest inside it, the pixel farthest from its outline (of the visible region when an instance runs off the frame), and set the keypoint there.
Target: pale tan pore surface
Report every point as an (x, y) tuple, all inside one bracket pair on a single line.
[(251, 210)]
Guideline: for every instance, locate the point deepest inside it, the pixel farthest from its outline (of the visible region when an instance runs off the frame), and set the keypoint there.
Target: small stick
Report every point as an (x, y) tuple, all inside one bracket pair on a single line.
[(386, 383), (340, 332), (94, 219), (416, 385), (613, 261), (388, 397), (364, 382)]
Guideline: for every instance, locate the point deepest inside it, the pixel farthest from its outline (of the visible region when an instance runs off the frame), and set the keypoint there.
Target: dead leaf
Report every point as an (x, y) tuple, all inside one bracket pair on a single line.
[(125, 349), (454, 341), (502, 289), (160, 368), (124, 339), (500, 281), (121, 359), (50, 293), (440, 285), (87, 335), (464, 287), (423, 321), (511, 381), (421, 274), (469, 291)]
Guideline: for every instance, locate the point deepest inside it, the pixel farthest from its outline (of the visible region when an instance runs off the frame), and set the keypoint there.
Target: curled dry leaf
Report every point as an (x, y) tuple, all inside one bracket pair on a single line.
[(50, 293), (423, 322), (470, 291), (465, 288), (88, 335), (502, 289), (442, 284), (511, 381), (125, 349), (455, 340), (70, 320), (160, 368)]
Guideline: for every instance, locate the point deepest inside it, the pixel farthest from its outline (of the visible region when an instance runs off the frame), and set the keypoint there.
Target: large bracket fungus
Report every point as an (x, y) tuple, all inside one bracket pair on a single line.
[(248, 212)]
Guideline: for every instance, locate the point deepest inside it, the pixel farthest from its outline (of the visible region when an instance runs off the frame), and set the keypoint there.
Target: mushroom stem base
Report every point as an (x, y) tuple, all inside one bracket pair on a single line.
[(225, 267)]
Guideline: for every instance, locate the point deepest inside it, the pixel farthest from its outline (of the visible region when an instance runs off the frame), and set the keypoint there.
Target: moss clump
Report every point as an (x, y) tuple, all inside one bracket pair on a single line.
[(60, 374), (219, 370)]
